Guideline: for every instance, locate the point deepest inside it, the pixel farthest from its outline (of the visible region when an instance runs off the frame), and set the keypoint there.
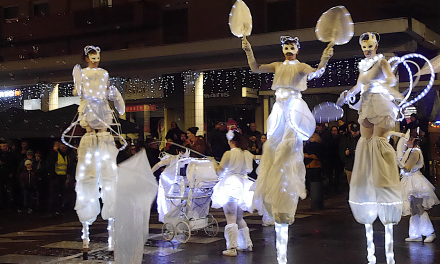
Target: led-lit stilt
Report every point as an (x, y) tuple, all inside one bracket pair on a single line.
[(86, 240), (389, 253), (370, 244), (111, 232), (281, 242)]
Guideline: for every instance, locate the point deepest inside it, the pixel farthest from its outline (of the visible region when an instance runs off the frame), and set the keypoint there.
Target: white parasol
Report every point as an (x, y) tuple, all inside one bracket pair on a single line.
[(335, 26), (240, 19)]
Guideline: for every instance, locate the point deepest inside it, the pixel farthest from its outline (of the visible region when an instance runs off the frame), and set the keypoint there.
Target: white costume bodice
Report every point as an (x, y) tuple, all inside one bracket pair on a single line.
[(291, 74), (373, 76), (413, 157), (237, 161), (94, 84)]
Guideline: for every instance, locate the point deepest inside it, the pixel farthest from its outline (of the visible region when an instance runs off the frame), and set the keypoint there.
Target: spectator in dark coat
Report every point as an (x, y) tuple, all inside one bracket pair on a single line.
[(218, 141), (7, 171), (347, 149), (174, 133), (28, 185)]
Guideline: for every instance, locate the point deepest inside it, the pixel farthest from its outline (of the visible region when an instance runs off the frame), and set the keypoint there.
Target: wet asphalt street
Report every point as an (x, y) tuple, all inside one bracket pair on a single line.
[(329, 236)]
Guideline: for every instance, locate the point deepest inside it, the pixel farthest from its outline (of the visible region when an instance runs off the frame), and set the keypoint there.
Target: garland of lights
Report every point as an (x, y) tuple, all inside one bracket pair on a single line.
[(338, 73)]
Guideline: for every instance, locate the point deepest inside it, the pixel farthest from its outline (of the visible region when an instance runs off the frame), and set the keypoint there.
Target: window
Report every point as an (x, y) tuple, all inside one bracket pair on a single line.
[(41, 10), (10, 13), (102, 3)]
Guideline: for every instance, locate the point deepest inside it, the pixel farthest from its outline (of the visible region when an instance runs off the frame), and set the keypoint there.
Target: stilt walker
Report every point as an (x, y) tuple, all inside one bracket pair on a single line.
[(96, 173), (281, 171), (375, 189)]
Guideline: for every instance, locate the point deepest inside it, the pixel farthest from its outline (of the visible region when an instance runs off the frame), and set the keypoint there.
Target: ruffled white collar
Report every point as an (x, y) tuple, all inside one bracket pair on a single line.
[(291, 62), (366, 64)]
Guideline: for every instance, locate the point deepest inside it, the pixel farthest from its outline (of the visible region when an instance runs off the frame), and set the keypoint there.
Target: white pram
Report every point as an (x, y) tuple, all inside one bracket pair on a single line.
[(183, 202)]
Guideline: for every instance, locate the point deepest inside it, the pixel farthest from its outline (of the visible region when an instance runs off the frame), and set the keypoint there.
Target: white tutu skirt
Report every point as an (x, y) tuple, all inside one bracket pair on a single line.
[(379, 109), (236, 186), (416, 185)]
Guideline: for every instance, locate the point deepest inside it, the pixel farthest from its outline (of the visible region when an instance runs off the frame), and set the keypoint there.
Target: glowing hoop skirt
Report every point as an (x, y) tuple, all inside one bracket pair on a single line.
[(281, 173), (235, 182)]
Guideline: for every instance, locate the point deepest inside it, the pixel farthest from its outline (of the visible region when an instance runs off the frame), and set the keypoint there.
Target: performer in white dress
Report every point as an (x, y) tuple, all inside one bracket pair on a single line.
[(281, 173), (417, 192), (96, 172), (375, 187), (233, 193)]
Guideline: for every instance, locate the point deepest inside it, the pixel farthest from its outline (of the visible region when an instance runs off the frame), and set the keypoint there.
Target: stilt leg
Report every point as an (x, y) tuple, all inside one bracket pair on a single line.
[(111, 232), (281, 242), (86, 240), (370, 244), (389, 253)]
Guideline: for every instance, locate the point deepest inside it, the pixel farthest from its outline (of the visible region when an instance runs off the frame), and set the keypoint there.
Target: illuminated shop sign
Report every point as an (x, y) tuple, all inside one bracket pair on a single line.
[(140, 108), (10, 93)]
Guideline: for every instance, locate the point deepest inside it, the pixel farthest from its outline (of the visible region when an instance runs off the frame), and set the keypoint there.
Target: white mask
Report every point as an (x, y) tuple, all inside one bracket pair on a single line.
[(370, 43), (292, 48), (94, 58)]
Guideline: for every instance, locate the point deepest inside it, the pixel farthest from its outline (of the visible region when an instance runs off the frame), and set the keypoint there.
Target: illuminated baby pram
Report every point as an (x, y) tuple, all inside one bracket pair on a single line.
[(188, 199)]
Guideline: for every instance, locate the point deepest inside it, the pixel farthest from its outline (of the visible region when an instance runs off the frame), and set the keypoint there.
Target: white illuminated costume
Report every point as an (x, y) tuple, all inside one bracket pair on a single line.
[(417, 192), (96, 173), (375, 189), (281, 173), (233, 193), (234, 182)]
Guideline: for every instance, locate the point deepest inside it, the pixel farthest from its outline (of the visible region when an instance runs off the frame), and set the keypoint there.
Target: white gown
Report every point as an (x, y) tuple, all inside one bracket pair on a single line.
[(414, 183), (234, 182), (281, 173), (375, 186)]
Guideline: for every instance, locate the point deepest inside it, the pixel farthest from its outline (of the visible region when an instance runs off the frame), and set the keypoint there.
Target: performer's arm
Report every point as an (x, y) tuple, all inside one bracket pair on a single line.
[(161, 163), (326, 55), (390, 79), (222, 167), (346, 95), (412, 161), (246, 46), (76, 73)]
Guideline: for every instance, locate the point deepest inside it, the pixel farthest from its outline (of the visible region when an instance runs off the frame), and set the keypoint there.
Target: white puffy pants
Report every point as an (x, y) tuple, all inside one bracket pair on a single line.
[(96, 176)]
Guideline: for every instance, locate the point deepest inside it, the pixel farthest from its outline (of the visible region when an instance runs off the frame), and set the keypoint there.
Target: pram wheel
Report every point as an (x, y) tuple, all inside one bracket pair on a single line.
[(168, 231), (212, 228), (183, 232)]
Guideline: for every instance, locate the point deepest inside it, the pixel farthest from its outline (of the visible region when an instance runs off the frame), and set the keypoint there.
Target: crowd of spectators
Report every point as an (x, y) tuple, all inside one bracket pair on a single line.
[(29, 181), (32, 181)]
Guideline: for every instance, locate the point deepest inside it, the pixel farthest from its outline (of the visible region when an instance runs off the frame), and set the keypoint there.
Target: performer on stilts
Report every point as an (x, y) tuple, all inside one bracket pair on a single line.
[(281, 173), (375, 189), (233, 193), (417, 192), (96, 173)]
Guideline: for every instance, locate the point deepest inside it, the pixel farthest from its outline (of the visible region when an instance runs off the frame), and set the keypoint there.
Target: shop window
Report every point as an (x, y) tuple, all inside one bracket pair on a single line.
[(281, 15), (175, 26), (10, 14), (102, 3), (41, 10)]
